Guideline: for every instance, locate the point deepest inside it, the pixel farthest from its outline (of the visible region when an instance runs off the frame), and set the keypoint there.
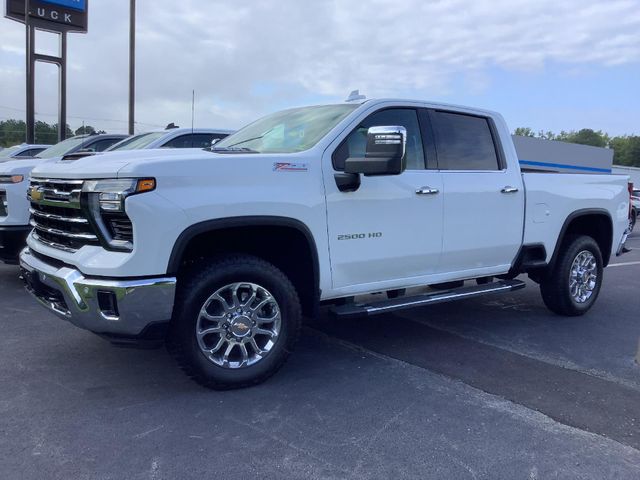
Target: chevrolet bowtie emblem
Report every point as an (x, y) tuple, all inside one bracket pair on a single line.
[(35, 194)]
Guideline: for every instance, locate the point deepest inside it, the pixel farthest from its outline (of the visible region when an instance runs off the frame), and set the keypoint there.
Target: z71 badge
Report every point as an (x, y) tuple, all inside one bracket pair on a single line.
[(290, 167)]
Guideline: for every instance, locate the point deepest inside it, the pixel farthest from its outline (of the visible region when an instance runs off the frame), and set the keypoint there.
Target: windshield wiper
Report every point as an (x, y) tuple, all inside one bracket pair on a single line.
[(251, 139), (231, 149)]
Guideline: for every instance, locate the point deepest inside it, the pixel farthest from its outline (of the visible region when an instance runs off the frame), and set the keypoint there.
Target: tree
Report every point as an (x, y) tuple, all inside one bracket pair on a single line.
[(88, 129), (524, 132), (586, 136), (13, 132)]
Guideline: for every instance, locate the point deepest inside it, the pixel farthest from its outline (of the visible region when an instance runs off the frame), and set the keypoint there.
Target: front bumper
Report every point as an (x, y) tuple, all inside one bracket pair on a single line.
[(105, 306), (12, 240)]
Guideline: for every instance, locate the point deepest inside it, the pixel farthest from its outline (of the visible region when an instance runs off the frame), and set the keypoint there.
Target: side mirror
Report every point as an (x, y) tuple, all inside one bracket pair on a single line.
[(385, 153)]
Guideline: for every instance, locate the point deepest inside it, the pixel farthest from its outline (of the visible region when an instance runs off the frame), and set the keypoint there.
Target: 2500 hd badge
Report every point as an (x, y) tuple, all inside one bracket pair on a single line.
[(359, 236)]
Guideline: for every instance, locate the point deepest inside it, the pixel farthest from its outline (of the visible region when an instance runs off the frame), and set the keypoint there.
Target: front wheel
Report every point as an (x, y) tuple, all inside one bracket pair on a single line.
[(235, 322), (573, 285)]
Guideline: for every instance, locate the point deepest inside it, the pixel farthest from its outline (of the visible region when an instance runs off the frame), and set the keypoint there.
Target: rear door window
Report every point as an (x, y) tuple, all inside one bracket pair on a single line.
[(196, 140), (101, 145), (464, 142)]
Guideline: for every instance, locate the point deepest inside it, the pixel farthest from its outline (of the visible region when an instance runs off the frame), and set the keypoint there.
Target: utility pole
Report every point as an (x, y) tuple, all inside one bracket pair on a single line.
[(132, 66)]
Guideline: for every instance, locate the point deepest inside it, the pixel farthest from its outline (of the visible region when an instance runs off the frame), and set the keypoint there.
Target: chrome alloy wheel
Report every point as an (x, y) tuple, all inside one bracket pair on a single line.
[(584, 276), (238, 325)]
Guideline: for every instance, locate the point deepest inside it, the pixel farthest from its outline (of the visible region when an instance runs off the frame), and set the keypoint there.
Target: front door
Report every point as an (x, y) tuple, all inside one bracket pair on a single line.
[(390, 229)]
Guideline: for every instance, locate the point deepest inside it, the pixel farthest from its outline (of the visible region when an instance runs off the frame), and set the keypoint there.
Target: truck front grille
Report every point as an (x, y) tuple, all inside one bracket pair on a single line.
[(3, 204), (57, 217)]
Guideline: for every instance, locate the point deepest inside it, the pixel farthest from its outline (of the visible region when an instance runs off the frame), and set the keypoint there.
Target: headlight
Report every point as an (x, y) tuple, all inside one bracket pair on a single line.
[(11, 178), (104, 200), (112, 192)]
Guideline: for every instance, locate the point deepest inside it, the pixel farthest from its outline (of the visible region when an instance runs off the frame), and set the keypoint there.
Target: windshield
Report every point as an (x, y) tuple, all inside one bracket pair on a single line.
[(288, 131), (7, 152), (137, 142), (62, 148)]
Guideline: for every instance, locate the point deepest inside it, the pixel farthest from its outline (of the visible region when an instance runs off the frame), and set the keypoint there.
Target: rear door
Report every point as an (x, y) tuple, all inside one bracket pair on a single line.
[(483, 199)]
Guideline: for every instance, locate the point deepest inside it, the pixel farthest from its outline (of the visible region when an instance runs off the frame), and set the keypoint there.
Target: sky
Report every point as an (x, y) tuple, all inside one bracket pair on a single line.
[(549, 65)]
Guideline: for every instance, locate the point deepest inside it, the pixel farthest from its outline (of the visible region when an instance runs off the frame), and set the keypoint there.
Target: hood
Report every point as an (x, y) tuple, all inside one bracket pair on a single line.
[(109, 164), (19, 167)]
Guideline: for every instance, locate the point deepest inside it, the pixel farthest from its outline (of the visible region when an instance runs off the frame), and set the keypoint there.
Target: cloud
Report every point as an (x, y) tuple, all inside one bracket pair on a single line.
[(245, 58)]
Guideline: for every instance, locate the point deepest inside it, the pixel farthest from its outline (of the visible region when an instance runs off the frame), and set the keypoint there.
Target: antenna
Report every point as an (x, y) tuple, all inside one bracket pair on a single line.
[(355, 96), (193, 108)]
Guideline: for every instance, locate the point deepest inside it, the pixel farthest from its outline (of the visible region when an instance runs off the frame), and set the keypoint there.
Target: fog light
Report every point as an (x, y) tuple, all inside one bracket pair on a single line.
[(108, 305)]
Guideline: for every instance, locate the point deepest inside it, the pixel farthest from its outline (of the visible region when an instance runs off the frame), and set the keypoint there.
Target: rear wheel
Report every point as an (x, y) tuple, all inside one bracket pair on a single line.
[(235, 322), (573, 285), (632, 221)]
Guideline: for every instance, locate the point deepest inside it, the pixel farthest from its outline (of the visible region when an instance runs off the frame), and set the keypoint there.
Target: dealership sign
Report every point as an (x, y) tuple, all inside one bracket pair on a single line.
[(52, 15)]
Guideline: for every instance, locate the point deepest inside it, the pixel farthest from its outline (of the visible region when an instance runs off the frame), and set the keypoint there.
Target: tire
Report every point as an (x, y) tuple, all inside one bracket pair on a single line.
[(242, 283), (632, 221), (573, 297)]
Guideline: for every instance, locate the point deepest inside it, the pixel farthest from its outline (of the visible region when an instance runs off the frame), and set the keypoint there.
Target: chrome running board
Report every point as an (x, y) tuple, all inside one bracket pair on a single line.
[(401, 303)]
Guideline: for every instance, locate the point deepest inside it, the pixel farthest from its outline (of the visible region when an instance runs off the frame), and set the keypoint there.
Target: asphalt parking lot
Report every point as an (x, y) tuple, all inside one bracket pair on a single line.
[(491, 388)]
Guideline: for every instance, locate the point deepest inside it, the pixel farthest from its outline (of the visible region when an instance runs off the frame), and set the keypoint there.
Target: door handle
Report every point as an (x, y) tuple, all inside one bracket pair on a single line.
[(509, 189), (427, 191)]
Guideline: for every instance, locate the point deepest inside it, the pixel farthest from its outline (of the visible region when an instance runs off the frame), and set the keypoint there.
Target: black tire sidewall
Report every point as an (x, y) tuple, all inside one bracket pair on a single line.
[(217, 275)]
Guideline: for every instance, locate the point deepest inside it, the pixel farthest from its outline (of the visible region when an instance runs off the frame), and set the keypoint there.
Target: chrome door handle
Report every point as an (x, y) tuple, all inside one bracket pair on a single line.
[(509, 189), (427, 191)]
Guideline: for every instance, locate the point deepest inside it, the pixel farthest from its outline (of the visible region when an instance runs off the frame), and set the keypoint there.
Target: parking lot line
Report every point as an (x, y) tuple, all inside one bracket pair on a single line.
[(624, 264)]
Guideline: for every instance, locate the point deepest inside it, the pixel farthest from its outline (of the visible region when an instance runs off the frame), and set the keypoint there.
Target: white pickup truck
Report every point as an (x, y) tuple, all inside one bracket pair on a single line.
[(221, 252)]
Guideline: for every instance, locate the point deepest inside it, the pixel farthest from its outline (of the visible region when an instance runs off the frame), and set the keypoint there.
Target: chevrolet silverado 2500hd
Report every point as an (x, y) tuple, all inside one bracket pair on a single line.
[(221, 252)]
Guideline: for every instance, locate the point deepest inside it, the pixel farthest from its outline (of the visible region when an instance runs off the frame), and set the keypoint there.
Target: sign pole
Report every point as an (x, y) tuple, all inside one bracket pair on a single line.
[(57, 16), (132, 66), (62, 95), (30, 73)]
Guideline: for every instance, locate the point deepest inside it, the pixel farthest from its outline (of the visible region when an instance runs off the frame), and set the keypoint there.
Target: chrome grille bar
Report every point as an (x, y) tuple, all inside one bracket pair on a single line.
[(62, 233), (59, 218), (49, 243)]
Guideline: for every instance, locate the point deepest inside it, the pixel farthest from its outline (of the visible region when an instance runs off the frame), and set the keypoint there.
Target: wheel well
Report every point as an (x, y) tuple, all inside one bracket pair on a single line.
[(289, 248), (596, 225)]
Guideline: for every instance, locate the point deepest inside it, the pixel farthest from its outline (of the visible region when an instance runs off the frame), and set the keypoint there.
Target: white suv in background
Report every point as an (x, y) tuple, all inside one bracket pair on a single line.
[(23, 150)]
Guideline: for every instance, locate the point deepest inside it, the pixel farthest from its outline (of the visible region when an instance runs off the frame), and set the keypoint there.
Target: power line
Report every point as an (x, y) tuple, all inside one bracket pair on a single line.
[(83, 117)]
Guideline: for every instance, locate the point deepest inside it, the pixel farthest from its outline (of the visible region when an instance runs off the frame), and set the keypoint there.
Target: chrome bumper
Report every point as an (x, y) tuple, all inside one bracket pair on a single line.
[(120, 307)]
